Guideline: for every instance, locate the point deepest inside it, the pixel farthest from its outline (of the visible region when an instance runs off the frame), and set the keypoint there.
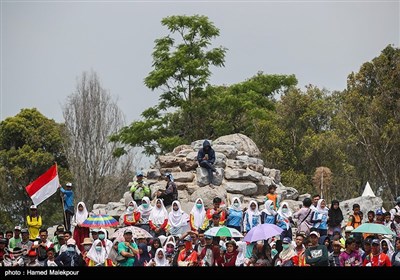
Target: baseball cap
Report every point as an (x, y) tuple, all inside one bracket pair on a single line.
[(375, 241), (71, 241), (208, 237), (69, 184), (286, 240), (316, 233), (24, 230), (32, 253), (348, 229), (127, 231), (139, 173), (17, 228), (379, 212), (33, 207), (60, 228)]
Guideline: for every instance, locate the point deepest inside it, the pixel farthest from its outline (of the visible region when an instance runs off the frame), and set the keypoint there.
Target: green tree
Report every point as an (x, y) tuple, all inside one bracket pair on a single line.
[(181, 69), (369, 120), (29, 144)]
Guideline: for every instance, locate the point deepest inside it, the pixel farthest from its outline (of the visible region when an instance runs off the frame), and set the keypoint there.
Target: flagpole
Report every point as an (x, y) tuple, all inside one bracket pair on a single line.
[(62, 204)]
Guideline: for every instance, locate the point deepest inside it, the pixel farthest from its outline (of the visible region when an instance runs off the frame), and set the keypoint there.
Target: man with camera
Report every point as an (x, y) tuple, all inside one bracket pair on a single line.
[(139, 189)]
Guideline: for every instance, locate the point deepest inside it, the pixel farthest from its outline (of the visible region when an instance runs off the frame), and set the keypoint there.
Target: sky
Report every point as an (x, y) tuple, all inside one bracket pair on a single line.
[(47, 45)]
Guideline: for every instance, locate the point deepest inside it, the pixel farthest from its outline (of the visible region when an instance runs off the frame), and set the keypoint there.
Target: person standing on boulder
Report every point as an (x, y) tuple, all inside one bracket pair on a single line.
[(206, 159), (68, 198)]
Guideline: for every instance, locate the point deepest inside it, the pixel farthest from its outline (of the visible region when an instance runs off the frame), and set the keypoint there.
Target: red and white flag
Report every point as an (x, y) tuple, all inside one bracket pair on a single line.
[(44, 186)]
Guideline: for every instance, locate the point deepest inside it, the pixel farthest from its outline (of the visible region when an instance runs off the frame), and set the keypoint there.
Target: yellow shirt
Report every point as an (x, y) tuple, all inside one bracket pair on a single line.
[(34, 225)]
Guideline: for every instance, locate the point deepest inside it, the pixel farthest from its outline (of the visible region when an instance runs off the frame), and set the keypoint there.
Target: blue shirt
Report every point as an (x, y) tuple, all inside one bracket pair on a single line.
[(235, 217), (68, 199)]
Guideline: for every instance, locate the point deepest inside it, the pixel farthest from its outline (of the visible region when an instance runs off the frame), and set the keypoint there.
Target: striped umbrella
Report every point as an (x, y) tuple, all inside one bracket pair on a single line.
[(100, 221)]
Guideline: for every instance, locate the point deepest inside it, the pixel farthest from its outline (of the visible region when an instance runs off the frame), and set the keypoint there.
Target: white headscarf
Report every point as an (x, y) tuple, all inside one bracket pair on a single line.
[(145, 212), (163, 261), (131, 203), (170, 240), (177, 218), (391, 250), (158, 215), (81, 216), (288, 253), (99, 257), (198, 214), (286, 215), (233, 207), (241, 248), (267, 210), (250, 212), (108, 243), (321, 210)]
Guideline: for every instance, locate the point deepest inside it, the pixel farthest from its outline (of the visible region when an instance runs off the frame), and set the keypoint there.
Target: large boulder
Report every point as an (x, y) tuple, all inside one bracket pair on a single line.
[(241, 142)]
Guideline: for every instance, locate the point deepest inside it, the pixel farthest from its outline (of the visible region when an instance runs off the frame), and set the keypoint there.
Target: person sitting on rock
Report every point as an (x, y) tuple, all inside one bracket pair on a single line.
[(170, 193), (206, 159)]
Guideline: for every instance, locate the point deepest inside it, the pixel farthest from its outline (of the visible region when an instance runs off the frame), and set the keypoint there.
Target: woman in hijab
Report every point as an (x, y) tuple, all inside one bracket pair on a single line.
[(96, 255), (387, 247), (284, 219), (80, 232), (154, 245), (335, 218), (159, 259), (158, 219), (132, 214), (268, 214), (252, 216), (177, 220), (107, 243), (288, 256), (235, 215), (320, 218), (143, 257), (145, 211), (197, 215)]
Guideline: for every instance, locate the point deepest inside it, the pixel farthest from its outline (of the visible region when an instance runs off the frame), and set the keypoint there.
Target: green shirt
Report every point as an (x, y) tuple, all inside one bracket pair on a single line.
[(123, 248)]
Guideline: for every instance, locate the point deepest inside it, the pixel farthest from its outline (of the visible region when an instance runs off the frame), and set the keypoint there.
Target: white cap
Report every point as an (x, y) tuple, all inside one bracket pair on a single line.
[(315, 233), (17, 228), (33, 207), (348, 229), (69, 184), (71, 241)]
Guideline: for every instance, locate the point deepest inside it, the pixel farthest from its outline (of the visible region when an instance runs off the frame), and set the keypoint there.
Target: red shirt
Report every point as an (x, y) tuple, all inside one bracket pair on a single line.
[(377, 260)]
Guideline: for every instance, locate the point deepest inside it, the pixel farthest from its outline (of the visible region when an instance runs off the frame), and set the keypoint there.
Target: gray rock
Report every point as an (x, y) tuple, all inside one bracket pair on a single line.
[(245, 188)]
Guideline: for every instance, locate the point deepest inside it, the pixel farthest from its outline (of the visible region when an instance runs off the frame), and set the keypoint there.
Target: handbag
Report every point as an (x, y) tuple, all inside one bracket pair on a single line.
[(120, 258)]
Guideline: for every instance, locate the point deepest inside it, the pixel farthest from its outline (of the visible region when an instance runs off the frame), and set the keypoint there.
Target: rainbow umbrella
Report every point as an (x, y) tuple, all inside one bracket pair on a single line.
[(100, 221)]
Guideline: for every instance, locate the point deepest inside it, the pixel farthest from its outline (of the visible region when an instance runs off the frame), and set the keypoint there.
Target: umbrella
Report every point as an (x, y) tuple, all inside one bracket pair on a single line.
[(100, 221), (137, 232), (223, 231), (373, 228), (262, 232)]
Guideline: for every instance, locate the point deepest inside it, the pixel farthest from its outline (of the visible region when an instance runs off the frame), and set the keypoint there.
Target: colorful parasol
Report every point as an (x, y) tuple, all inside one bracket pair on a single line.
[(100, 221)]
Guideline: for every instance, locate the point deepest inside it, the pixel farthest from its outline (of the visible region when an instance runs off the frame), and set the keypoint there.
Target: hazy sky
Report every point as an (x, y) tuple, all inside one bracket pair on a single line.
[(46, 45)]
